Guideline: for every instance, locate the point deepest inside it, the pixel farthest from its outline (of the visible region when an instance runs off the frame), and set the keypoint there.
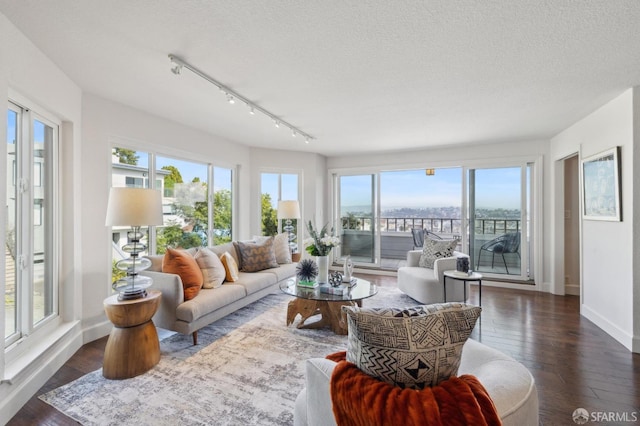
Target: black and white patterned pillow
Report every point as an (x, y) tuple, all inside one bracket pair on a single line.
[(412, 348), (435, 249)]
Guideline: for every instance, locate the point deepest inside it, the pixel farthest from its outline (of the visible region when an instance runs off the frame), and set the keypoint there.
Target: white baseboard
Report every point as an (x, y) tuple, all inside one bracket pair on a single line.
[(608, 327)]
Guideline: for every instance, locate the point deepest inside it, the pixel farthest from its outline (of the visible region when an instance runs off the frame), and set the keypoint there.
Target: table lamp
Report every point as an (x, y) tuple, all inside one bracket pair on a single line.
[(134, 207), (289, 209)]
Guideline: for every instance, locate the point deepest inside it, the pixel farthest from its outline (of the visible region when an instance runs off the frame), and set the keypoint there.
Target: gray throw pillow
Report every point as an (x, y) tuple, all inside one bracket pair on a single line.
[(412, 348), (256, 256)]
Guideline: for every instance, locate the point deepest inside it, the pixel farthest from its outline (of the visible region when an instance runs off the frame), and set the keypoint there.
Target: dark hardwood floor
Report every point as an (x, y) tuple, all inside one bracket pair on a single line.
[(575, 364)]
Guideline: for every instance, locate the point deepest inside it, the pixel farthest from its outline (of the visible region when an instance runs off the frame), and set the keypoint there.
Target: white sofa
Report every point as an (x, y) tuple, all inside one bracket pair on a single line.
[(187, 317), (427, 285), (509, 383)]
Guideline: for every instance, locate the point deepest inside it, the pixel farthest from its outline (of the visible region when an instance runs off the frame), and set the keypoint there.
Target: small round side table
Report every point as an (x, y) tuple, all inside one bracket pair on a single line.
[(133, 346), (464, 277)]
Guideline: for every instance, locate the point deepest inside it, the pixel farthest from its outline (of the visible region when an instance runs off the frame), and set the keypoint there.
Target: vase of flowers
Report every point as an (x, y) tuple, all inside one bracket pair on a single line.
[(319, 244)]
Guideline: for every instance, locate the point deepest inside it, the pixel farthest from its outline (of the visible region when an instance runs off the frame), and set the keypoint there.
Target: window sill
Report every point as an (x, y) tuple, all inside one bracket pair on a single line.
[(43, 350)]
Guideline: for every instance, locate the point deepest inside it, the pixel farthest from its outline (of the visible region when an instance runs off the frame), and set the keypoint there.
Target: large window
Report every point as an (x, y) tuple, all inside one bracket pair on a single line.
[(197, 199), (30, 259), (277, 187), (379, 213)]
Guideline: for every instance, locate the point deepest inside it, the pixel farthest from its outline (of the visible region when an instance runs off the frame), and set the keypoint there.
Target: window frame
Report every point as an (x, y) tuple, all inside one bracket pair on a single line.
[(28, 332), (280, 172), (151, 181)]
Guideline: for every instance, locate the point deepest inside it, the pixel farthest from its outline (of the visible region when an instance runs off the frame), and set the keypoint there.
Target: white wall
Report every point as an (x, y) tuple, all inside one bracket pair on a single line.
[(607, 247), (30, 75), (106, 124)]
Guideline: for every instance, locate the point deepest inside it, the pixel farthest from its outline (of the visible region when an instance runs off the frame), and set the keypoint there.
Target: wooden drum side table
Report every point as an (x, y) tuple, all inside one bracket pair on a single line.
[(133, 346)]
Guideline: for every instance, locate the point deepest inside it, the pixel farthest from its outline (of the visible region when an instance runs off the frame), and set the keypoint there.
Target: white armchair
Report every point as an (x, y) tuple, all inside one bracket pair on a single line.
[(510, 385), (427, 285)]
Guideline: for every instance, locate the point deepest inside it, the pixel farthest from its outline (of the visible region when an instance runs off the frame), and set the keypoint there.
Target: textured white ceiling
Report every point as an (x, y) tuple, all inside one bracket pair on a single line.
[(369, 75)]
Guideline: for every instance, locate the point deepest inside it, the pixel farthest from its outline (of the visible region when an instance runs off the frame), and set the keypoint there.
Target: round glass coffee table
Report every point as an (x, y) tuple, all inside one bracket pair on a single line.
[(309, 302)]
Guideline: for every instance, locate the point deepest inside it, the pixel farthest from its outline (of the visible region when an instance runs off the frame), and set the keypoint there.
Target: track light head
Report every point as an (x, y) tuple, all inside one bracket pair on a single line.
[(306, 140), (176, 69), (231, 99), (276, 123), (251, 111)]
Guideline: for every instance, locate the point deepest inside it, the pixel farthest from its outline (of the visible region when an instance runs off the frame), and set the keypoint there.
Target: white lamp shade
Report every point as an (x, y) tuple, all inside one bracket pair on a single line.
[(134, 207), (288, 209)]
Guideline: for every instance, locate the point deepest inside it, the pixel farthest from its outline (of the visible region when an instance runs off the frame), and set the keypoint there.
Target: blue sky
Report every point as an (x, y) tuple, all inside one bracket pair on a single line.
[(38, 128), (269, 185), (495, 188)]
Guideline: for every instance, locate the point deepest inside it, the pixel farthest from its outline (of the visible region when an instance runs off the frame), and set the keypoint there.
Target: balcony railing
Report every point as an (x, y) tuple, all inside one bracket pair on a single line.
[(438, 225)]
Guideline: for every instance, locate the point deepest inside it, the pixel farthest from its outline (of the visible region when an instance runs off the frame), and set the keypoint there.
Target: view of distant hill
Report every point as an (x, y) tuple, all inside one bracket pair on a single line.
[(431, 212)]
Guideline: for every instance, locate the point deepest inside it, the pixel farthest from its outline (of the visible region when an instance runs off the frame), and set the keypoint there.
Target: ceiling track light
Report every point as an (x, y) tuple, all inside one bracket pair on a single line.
[(176, 69), (177, 66)]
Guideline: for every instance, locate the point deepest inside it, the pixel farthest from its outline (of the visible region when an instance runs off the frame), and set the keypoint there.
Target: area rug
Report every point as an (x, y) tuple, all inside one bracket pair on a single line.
[(247, 369)]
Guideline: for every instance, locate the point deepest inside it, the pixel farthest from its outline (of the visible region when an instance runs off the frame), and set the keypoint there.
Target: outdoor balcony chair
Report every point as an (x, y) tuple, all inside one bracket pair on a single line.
[(505, 243), (418, 237)]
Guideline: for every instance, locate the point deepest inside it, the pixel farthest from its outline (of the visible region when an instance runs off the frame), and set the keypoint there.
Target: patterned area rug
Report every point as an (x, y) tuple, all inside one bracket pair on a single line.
[(247, 369)]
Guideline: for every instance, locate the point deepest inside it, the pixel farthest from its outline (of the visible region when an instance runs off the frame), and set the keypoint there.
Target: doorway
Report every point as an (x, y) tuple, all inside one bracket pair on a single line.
[(572, 225)]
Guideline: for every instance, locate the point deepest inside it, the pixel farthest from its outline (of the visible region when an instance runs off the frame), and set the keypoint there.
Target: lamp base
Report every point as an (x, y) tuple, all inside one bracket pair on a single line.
[(132, 294), (132, 287)]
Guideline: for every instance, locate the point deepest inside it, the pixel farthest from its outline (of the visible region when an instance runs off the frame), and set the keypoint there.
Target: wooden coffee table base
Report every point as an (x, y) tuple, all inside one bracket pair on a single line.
[(330, 311)]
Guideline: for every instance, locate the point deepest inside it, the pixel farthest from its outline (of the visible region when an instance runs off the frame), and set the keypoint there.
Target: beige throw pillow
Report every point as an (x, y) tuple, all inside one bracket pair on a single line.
[(213, 271), (436, 249), (413, 347)]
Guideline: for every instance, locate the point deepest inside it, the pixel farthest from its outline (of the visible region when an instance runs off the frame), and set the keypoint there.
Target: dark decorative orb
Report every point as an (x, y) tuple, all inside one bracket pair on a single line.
[(335, 279), (307, 270)]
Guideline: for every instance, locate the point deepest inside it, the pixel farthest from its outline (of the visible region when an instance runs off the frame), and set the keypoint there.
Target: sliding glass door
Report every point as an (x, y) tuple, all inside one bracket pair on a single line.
[(497, 210), (357, 218)]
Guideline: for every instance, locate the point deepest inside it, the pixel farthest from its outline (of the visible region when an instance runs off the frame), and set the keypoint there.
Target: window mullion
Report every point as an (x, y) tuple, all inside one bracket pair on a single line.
[(25, 218)]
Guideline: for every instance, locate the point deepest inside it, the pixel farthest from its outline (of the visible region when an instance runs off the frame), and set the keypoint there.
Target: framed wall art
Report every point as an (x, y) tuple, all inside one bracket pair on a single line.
[(601, 186)]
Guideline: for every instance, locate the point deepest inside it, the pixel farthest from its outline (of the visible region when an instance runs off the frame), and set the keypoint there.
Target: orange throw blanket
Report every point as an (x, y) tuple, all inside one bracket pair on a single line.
[(361, 400)]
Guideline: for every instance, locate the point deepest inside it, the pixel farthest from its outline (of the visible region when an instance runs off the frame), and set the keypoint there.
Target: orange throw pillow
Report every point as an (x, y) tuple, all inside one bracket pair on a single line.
[(181, 263)]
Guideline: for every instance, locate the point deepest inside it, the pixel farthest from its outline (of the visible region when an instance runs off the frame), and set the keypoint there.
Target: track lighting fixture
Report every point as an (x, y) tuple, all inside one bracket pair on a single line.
[(176, 69), (178, 64)]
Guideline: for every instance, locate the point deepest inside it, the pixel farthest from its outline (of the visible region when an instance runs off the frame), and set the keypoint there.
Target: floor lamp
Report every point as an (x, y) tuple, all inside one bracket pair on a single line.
[(288, 210), (134, 207)]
